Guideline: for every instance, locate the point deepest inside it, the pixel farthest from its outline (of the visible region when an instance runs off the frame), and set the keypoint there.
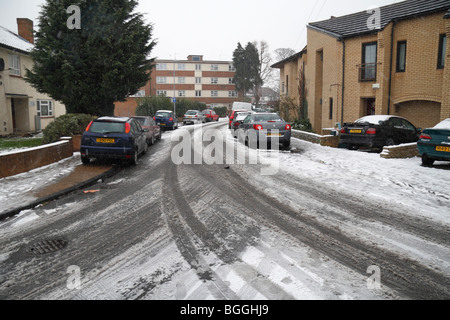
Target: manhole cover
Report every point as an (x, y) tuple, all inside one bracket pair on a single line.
[(47, 246)]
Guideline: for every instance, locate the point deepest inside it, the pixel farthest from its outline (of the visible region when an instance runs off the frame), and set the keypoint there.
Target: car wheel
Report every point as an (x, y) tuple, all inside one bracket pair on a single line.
[(85, 160), (286, 144), (134, 158), (389, 142), (427, 162)]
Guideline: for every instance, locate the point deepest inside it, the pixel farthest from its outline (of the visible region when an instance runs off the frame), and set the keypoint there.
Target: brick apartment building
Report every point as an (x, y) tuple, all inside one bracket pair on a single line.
[(390, 60), (210, 82)]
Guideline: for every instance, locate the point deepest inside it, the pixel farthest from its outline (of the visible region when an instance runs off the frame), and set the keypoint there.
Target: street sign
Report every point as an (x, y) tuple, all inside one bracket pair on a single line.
[(174, 100)]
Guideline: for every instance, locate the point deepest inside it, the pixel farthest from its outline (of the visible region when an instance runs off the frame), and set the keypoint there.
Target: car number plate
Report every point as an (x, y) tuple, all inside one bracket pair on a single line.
[(274, 134), (443, 149), (103, 140), (356, 131)]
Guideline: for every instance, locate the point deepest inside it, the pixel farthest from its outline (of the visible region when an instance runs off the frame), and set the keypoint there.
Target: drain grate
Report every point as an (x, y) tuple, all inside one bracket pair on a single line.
[(47, 246)]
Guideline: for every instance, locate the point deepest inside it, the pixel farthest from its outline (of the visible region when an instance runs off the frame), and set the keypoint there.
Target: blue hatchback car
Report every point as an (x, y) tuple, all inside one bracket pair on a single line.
[(166, 120), (113, 138), (434, 143)]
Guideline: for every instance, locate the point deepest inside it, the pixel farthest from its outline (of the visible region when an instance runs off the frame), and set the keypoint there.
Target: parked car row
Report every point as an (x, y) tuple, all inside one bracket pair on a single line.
[(381, 130), (258, 129)]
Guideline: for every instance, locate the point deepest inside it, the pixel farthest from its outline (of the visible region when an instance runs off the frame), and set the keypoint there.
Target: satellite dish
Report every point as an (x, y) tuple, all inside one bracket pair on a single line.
[(2, 64)]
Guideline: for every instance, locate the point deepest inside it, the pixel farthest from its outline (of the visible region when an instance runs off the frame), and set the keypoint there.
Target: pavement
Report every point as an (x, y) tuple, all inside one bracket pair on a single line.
[(80, 177)]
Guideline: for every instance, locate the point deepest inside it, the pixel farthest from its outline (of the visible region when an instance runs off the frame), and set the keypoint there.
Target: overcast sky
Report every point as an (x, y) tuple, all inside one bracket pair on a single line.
[(213, 28)]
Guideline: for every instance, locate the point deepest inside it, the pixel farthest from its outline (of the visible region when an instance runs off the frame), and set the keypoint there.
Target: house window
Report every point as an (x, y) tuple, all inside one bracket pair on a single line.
[(230, 80), (198, 67), (182, 93), (139, 94), (196, 58), (161, 80), (214, 93), (181, 66), (442, 49), (198, 80), (231, 68), (161, 66), (368, 68), (161, 93), (214, 67), (214, 80), (14, 65), (232, 94), (45, 108), (181, 80), (331, 109), (401, 56), (198, 93)]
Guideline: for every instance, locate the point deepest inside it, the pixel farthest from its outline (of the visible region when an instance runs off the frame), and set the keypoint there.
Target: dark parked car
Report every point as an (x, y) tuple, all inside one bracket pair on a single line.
[(378, 132), (210, 115), (113, 138), (265, 127), (166, 120), (233, 114), (194, 116), (154, 132), (434, 143), (238, 119)]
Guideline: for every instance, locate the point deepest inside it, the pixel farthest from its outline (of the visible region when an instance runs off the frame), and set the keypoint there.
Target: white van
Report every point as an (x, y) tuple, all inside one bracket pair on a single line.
[(242, 106)]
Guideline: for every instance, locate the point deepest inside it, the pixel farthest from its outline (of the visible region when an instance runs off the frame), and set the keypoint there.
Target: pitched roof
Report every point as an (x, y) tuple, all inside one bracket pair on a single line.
[(12, 41), (357, 23)]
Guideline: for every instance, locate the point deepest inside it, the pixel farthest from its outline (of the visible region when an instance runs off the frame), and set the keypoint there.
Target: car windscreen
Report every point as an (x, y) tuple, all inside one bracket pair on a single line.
[(142, 121), (163, 115), (267, 117), (107, 127)]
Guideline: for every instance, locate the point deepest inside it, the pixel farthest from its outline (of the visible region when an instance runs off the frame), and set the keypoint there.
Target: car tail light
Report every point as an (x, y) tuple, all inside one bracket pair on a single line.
[(371, 131), (425, 136), (236, 124), (288, 127), (171, 119), (89, 126), (343, 130), (154, 118), (257, 127), (127, 128), (196, 116)]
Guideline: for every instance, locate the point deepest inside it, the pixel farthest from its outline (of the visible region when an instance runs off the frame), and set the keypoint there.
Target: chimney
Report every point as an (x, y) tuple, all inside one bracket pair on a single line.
[(25, 27)]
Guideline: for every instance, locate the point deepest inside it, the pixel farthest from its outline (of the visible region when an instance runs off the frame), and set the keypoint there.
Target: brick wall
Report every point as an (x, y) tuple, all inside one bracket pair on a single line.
[(19, 162)]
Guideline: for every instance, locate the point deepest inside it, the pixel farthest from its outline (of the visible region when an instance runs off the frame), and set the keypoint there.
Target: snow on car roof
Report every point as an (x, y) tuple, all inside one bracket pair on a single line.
[(374, 119), (443, 125)]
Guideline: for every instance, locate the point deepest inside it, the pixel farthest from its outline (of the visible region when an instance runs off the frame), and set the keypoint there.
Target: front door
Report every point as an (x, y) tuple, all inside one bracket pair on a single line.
[(369, 106)]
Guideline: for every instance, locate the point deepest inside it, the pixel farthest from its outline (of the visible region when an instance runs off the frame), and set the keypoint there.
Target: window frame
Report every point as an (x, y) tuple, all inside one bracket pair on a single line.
[(14, 65), (399, 67), (442, 51), (49, 105)]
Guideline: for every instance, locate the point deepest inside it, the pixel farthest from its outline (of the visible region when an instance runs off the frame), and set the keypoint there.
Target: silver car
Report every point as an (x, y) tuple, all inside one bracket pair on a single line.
[(262, 129), (193, 117)]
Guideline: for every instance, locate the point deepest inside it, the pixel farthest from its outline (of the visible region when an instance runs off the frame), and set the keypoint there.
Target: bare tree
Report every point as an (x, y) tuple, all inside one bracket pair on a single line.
[(265, 71), (283, 53)]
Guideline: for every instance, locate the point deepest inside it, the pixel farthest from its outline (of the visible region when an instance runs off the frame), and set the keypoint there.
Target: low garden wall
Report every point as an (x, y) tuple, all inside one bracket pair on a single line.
[(21, 161), (403, 151), (326, 140)]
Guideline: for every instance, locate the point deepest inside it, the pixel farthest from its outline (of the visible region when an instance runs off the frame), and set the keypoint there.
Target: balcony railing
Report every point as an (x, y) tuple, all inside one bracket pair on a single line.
[(368, 72)]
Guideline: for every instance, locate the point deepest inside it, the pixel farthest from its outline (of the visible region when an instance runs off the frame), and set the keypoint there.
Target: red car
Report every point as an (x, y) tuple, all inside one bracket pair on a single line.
[(153, 130), (211, 115), (233, 115)]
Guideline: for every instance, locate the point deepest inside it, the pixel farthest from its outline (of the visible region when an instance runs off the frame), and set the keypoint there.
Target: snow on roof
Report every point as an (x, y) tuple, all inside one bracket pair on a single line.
[(11, 40), (443, 125)]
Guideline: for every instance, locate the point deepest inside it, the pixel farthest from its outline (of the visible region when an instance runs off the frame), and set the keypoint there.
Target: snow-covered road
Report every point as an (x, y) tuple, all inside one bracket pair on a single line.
[(331, 224)]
